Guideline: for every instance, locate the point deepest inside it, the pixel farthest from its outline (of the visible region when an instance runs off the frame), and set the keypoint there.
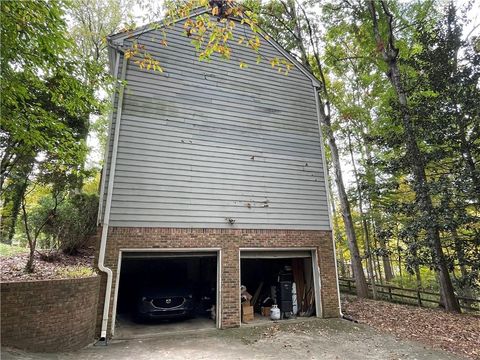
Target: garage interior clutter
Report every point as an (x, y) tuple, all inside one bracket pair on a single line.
[(177, 289)]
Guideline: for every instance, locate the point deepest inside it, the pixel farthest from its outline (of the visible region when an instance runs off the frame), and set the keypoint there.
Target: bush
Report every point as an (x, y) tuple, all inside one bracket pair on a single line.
[(75, 222), (71, 225)]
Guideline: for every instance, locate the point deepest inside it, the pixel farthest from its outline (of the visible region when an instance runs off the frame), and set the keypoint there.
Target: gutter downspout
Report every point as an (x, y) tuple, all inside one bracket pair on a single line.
[(105, 155), (317, 106), (106, 217)]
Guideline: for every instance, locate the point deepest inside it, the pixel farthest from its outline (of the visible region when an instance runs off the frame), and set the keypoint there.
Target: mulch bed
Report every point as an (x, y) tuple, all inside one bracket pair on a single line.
[(47, 265), (457, 333)]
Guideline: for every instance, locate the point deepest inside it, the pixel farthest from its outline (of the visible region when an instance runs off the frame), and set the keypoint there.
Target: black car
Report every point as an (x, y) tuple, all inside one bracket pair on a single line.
[(166, 303)]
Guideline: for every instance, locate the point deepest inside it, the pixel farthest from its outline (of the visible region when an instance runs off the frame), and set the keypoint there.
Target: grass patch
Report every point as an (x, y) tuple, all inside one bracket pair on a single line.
[(74, 272), (10, 250)]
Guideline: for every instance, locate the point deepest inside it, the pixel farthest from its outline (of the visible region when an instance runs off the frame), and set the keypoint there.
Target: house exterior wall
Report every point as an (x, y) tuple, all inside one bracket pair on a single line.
[(214, 156), (206, 142), (229, 241)]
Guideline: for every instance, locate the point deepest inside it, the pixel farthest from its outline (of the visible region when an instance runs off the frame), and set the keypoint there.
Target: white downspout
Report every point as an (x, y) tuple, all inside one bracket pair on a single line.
[(106, 217), (107, 145), (317, 105)]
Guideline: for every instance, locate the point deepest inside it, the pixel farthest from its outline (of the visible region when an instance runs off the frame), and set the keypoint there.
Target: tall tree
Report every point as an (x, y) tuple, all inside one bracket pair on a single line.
[(448, 121), (386, 46), (90, 22), (44, 104), (32, 36), (31, 65)]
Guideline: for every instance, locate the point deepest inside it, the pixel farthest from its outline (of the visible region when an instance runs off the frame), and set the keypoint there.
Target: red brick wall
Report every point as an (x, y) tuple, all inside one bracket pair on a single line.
[(229, 240), (49, 315)]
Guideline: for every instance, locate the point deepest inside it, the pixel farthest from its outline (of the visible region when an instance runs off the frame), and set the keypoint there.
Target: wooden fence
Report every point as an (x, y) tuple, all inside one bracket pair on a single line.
[(408, 296)]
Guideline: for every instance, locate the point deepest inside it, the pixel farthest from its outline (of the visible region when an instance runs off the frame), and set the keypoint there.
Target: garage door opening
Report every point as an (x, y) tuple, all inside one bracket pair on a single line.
[(161, 292), (277, 278)]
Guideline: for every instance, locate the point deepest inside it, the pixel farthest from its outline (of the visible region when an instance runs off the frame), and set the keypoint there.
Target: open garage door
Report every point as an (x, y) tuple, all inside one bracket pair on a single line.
[(166, 291), (285, 278)]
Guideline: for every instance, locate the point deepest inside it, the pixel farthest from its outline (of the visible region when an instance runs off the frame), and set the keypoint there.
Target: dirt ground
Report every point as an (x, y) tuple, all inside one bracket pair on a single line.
[(457, 333), (48, 265), (310, 339)]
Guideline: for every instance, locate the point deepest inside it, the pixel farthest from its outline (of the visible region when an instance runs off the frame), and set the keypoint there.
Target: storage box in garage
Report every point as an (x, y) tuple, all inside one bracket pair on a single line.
[(247, 312), (265, 310)]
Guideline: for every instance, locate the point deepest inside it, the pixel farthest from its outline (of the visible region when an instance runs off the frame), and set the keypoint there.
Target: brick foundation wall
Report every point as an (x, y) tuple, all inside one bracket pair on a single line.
[(229, 240), (49, 315)]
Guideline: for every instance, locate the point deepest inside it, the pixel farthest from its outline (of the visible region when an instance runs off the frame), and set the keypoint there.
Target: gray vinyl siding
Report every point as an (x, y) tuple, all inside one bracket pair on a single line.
[(207, 141)]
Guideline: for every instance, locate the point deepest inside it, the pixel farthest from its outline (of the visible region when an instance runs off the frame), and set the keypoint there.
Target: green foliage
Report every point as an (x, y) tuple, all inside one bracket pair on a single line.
[(44, 106), (441, 74), (10, 250), (90, 22), (211, 33), (51, 81), (428, 276), (70, 225), (91, 185), (74, 272), (45, 110)]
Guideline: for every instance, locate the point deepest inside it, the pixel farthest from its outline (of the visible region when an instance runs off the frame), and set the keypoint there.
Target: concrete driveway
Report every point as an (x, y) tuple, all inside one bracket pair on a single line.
[(311, 339)]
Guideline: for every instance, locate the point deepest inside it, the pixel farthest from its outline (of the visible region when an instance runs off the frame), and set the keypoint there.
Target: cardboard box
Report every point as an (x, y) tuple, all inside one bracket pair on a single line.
[(265, 310), (247, 313)]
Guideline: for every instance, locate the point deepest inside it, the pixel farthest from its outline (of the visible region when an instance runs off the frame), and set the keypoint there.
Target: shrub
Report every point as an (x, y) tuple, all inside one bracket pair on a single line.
[(75, 222), (72, 223)]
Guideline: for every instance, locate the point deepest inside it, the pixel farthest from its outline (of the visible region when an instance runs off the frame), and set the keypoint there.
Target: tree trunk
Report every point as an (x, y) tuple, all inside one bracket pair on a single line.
[(360, 281), (373, 200), (387, 266), (343, 272), (390, 56), (336, 232), (29, 268), (366, 233), (459, 250), (12, 199), (399, 254), (378, 267), (423, 196), (16, 204)]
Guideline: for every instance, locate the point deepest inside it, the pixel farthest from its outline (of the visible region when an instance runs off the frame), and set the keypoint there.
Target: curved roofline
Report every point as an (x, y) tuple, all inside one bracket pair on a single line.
[(117, 39)]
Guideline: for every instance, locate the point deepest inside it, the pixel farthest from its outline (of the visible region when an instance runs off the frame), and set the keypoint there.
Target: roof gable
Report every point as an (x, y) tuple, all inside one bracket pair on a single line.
[(116, 40)]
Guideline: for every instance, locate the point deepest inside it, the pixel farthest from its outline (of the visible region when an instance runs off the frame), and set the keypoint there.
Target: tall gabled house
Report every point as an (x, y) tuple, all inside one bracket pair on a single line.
[(214, 178)]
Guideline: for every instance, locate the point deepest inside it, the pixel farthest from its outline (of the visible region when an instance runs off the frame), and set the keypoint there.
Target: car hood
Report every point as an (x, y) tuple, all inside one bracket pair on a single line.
[(165, 292)]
